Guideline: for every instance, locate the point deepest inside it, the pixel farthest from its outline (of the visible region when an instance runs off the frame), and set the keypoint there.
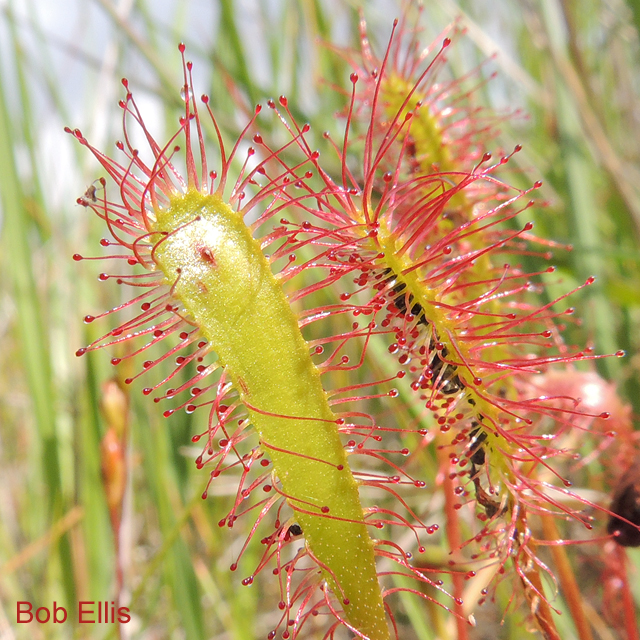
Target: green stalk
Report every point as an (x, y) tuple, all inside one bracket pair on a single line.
[(219, 273), (32, 333)]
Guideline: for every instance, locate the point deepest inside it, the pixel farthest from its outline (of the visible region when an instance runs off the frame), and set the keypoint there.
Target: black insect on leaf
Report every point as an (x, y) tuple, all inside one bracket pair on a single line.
[(624, 524)]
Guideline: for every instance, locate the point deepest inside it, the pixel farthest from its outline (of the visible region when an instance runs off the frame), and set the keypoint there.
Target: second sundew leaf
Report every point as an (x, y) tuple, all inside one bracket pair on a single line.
[(226, 285), (477, 349), (428, 231)]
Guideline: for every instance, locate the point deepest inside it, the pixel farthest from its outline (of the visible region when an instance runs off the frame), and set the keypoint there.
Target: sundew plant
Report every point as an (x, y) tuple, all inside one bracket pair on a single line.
[(347, 356)]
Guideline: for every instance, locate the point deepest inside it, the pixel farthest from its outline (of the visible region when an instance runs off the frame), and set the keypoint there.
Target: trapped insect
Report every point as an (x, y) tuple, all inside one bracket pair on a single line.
[(625, 524)]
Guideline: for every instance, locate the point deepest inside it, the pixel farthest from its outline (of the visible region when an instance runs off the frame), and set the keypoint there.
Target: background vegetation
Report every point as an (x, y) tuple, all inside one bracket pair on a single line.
[(574, 67)]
